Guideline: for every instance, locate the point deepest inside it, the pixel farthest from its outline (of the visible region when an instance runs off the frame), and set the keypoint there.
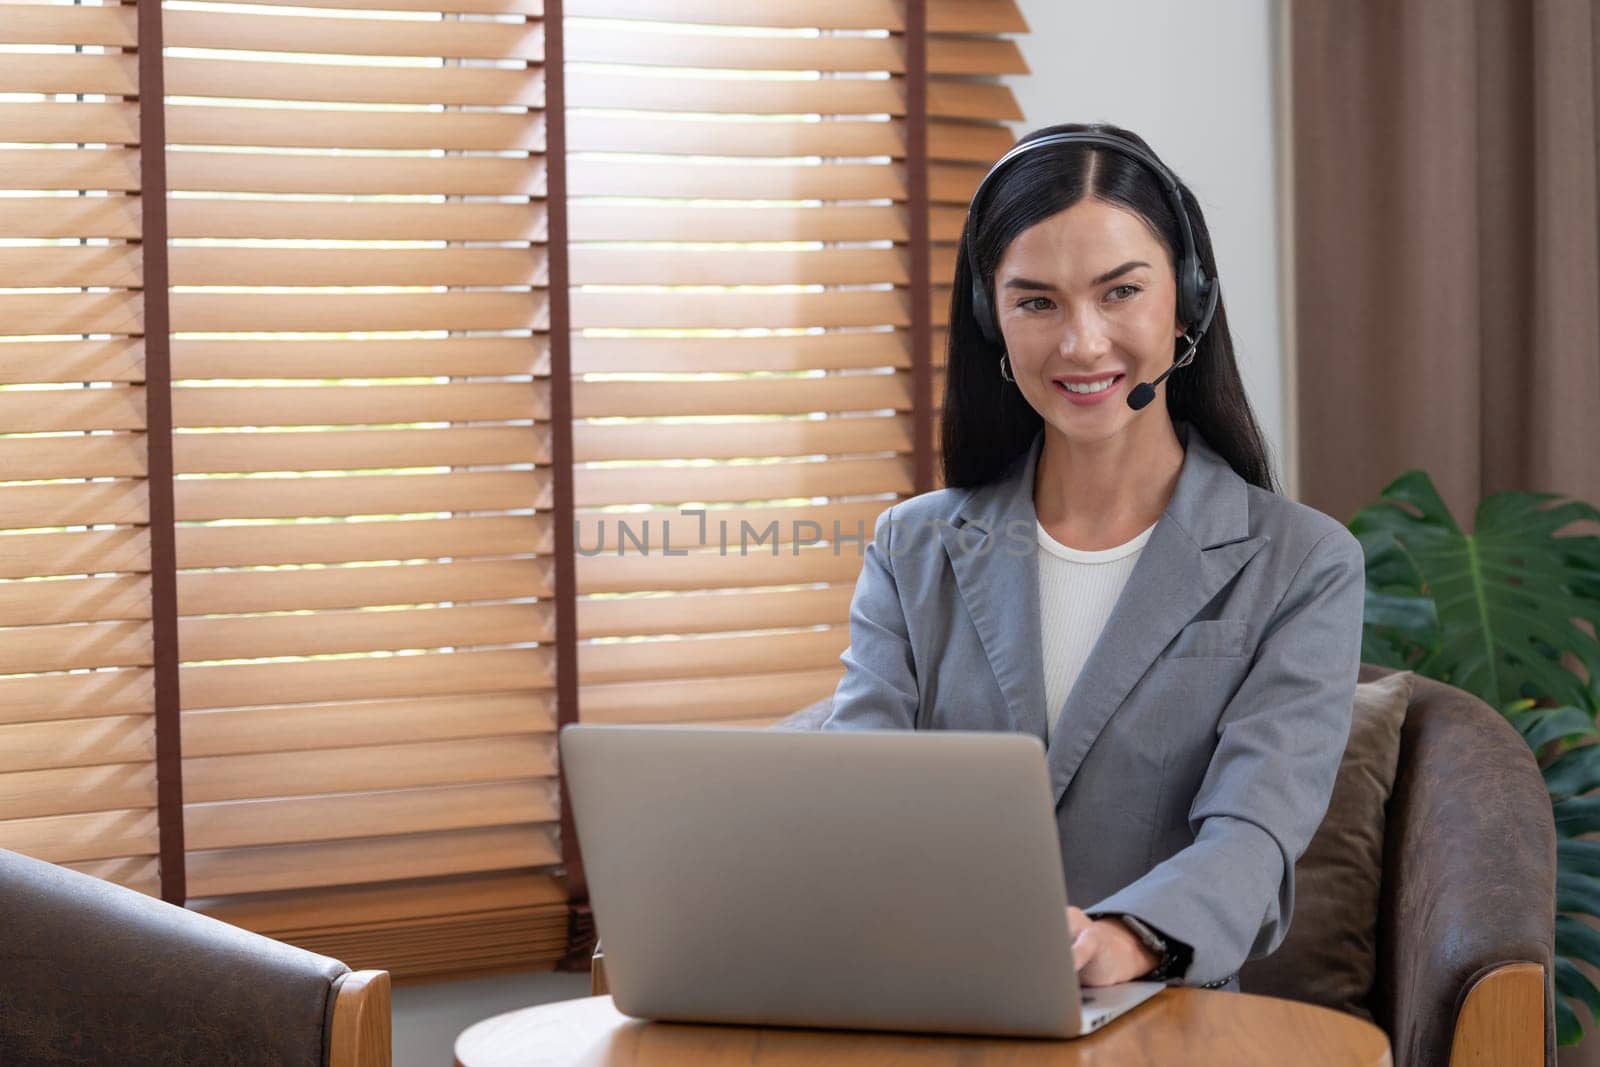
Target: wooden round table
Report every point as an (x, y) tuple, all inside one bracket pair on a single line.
[(1195, 1027)]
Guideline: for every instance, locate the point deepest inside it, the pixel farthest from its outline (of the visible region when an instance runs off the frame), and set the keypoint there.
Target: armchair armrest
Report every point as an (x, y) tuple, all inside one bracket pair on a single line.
[(1468, 889)]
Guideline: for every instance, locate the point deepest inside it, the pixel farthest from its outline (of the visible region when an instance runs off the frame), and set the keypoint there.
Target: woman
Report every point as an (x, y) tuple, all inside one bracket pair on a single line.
[(1120, 579)]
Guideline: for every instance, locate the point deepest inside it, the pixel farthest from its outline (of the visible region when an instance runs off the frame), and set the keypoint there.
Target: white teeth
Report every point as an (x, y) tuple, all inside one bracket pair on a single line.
[(1097, 387)]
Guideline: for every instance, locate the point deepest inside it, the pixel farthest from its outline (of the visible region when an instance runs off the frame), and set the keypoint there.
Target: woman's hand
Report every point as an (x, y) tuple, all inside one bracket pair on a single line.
[(1105, 951)]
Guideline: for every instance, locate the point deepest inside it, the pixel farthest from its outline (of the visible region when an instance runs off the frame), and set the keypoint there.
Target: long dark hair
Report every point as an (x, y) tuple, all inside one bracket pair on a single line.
[(987, 422)]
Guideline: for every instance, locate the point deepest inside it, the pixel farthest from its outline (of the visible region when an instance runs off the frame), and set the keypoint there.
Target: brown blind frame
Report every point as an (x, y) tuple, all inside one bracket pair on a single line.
[(78, 698), (580, 928), (917, 250), (158, 434)]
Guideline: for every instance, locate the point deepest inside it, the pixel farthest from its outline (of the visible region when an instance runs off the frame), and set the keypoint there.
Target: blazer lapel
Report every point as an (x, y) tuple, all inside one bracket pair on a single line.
[(1200, 542), (997, 575)]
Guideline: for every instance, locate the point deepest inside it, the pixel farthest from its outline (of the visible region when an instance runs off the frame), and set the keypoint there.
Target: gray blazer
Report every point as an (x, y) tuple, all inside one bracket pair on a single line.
[(1196, 752)]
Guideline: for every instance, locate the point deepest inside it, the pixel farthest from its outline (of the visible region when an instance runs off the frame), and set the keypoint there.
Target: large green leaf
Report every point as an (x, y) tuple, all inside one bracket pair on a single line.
[(1506, 595)]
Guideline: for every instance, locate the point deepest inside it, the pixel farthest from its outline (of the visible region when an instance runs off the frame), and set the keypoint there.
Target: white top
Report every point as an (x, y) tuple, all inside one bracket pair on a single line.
[(1077, 590)]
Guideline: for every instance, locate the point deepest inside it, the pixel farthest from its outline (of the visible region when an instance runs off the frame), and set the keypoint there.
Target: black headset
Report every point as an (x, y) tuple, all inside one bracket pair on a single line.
[(1197, 293)]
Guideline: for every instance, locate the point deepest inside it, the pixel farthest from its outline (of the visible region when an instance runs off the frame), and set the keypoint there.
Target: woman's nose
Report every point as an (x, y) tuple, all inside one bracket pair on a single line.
[(1084, 337)]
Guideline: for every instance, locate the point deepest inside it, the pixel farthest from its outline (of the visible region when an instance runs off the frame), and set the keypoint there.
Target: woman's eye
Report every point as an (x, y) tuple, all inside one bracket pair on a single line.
[(1130, 289), (1036, 303)]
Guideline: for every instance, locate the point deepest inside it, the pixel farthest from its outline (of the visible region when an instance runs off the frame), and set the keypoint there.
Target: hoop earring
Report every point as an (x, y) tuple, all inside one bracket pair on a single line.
[(1005, 368)]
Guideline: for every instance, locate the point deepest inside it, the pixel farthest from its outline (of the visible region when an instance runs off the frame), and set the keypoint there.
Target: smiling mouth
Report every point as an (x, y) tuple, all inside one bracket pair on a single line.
[(1099, 385)]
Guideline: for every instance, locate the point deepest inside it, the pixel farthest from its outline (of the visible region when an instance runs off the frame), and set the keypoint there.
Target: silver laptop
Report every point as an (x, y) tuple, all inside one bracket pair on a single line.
[(863, 879)]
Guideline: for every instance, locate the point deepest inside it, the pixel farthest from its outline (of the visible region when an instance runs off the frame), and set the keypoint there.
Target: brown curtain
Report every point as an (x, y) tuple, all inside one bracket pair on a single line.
[(1446, 247)]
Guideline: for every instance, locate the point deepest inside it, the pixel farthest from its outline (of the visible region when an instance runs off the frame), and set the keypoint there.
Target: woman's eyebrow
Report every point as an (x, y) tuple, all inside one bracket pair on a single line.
[(1115, 271), (1031, 283)]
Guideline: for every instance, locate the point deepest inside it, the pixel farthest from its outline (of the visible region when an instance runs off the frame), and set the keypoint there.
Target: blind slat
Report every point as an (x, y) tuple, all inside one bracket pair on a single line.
[(57, 168), (294, 820), (368, 860), (111, 26), (455, 39), (349, 770), (974, 56), (600, 486), (69, 216), (73, 265), (711, 612), (83, 552), (972, 100), (70, 600), (944, 16), (356, 358), (732, 179), (833, 351), (192, 124), (70, 790), (56, 313), (345, 84), (632, 266), (87, 836), (355, 724), (852, 392), (249, 637), (685, 137), (731, 311), (141, 873), (373, 405), (348, 542), (129, 691), (204, 500), (340, 450), (68, 72), (704, 657), (586, 43), (967, 141), (208, 593), (45, 362), (39, 458), (786, 437), (355, 312), (707, 699), (383, 175), (654, 92), (373, 266), (28, 507), (477, 7), (74, 646), (350, 221), (77, 743), (113, 122), (606, 222), (369, 678)]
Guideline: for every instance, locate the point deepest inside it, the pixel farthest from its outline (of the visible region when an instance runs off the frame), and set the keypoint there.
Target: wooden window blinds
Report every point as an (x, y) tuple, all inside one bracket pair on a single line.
[(306, 469)]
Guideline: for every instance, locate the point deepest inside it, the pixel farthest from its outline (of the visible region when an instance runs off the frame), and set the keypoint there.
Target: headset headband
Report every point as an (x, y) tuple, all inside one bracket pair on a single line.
[(1196, 292)]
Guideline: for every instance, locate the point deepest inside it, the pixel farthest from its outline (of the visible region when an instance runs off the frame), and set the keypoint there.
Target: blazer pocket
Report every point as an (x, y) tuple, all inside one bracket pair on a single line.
[(1209, 637)]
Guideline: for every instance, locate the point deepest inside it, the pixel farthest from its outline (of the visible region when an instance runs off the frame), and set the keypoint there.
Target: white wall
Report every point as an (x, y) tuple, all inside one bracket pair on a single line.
[(1197, 81)]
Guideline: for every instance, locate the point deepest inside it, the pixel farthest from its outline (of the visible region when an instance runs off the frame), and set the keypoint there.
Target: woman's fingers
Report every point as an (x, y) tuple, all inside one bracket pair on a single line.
[(1086, 945), (1077, 921)]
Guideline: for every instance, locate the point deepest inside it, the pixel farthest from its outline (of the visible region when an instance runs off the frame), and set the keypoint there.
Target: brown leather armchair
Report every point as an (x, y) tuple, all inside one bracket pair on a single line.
[(1467, 917), (92, 973)]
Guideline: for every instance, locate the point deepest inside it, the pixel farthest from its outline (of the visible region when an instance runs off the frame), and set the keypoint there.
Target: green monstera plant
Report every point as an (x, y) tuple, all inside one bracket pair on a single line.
[(1508, 612)]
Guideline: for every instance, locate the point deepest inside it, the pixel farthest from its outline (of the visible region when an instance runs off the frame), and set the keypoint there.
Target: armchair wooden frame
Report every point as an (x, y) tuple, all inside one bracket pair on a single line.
[(360, 1034)]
